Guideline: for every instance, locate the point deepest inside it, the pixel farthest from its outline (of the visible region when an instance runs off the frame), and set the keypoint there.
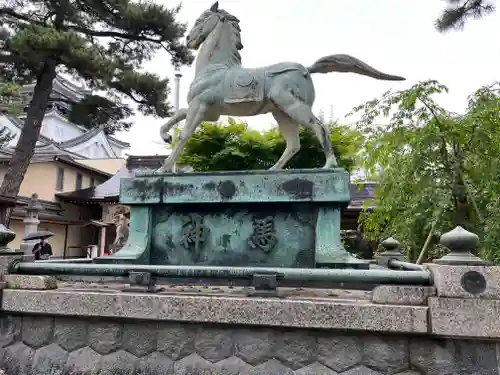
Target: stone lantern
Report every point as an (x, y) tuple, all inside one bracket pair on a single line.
[(31, 222)]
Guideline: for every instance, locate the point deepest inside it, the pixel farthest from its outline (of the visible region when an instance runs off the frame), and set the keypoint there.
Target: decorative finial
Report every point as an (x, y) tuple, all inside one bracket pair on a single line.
[(6, 236), (392, 251), (461, 243), (391, 246)]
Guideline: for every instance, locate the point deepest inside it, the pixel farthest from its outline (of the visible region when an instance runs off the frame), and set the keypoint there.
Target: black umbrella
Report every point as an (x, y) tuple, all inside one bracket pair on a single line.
[(38, 235)]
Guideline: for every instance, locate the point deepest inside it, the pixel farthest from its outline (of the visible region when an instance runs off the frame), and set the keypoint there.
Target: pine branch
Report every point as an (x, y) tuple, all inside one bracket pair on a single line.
[(113, 34), (19, 17), (456, 15)]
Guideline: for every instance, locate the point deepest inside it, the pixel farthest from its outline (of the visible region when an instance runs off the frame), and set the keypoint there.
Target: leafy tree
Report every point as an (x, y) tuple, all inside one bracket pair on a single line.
[(458, 12), (233, 146), (10, 99), (435, 169), (104, 43)]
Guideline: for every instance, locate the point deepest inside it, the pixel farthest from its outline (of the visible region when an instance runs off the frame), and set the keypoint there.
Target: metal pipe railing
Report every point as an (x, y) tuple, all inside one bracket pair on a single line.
[(73, 260), (393, 263), (206, 272)]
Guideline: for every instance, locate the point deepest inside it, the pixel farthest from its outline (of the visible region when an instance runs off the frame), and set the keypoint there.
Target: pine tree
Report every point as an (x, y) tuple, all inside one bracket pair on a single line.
[(104, 42), (458, 12)]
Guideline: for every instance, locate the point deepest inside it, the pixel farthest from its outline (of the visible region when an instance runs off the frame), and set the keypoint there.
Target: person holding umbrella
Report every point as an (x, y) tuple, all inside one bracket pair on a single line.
[(42, 250)]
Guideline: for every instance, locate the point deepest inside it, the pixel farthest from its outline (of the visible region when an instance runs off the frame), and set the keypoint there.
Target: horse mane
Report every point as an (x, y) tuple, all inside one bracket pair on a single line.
[(235, 30), (235, 24)]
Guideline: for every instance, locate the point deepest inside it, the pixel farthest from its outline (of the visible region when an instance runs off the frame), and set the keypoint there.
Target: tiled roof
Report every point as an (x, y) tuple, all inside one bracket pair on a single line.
[(71, 142), (360, 193), (88, 135), (18, 123), (80, 139), (44, 145), (109, 190), (118, 141), (149, 162), (50, 211), (52, 207), (66, 159)]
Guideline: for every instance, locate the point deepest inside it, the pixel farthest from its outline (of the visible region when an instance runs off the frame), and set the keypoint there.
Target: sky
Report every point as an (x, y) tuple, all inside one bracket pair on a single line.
[(394, 36)]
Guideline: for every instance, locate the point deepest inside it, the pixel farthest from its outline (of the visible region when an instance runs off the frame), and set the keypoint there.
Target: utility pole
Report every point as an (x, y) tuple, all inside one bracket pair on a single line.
[(178, 76), (177, 80)]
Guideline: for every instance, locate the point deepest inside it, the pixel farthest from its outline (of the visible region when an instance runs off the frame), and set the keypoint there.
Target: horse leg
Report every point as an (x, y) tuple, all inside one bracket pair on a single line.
[(289, 130), (176, 118), (195, 115), (302, 114)]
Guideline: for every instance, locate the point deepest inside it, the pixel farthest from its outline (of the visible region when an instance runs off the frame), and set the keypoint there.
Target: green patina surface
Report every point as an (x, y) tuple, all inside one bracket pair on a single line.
[(263, 234), (330, 185), (137, 250), (260, 218)]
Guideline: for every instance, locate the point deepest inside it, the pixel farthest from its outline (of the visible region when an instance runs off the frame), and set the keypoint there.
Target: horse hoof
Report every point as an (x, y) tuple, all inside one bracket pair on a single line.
[(275, 168), (167, 139), (331, 163)]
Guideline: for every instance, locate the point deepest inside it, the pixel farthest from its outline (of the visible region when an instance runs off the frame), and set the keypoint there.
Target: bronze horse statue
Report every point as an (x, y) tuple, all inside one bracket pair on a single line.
[(221, 86)]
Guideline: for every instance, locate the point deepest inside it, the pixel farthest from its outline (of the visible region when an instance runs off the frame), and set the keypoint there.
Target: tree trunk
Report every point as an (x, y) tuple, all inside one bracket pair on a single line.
[(30, 133), (462, 204)]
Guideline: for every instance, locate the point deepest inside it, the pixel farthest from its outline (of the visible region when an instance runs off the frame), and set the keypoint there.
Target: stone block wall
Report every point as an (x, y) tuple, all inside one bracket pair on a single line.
[(38, 344)]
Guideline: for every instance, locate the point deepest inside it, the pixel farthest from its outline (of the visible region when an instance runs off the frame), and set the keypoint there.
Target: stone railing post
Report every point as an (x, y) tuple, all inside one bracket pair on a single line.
[(461, 243), (392, 251), (7, 255), (31, 223), (467, 290)]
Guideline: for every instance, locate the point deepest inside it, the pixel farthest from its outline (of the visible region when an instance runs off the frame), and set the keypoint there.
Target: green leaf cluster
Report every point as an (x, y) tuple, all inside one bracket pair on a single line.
[(104, 43), (432, 166), (234, 146), (10, 99)]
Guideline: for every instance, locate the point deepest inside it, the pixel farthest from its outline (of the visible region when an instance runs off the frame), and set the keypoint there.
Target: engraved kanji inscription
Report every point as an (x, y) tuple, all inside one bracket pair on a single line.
[(264, 234), (194, 235)]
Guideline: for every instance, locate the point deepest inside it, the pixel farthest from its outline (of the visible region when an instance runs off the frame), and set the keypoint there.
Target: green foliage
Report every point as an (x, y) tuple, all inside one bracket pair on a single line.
[(233, 146), (458, 12), (433, 166), (105, 43), (10, 99), (95, 110)]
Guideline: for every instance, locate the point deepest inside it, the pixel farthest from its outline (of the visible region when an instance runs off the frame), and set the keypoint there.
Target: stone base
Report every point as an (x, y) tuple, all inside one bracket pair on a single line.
[(261, 218), (190, 307), (56, 344), (402, 295), (31, 282)]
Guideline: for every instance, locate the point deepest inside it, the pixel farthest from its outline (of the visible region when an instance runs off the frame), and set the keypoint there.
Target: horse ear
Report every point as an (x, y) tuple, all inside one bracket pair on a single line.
[(215, 7)]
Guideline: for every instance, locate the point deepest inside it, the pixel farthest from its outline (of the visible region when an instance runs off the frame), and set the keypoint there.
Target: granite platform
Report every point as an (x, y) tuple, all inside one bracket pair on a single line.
[(106, 326), (98, 328)]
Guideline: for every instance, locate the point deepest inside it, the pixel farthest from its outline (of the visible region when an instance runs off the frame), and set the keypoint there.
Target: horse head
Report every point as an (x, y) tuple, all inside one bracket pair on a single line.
[(206, 24)]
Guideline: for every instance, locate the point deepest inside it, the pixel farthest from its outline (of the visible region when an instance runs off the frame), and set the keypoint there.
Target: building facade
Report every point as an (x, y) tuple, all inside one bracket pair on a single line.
[(67, 157)]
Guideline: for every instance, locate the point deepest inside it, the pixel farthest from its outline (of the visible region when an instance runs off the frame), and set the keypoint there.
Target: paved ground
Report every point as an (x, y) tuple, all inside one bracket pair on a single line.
[(235, 291)]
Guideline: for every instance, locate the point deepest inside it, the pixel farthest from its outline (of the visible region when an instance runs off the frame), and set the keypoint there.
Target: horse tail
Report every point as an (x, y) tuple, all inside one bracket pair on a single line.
[(174, 120), (349, 64)]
